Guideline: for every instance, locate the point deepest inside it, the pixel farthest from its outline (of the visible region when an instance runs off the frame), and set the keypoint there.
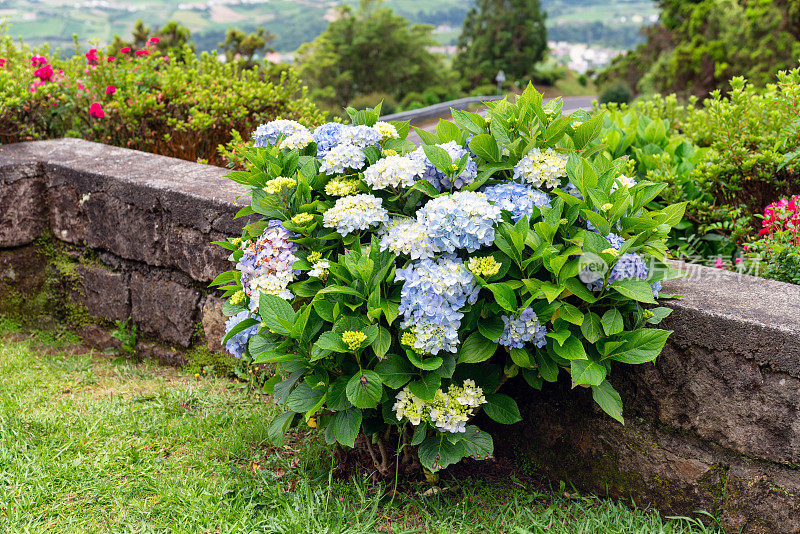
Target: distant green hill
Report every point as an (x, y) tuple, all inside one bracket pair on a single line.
[(611, 22)]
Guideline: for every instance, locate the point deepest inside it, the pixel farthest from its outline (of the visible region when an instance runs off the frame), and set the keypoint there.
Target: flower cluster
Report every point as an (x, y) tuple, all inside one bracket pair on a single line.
[(388, 131), (394, 171), (484, 267), (518, 199), (439, 179), (341, 187), (360, 136), (448, 411), (298, 140), (356, 212), (267, 134), (463, 220), (622, 181), (340, 158), (519, 330), (782, 216), (408, 237), (353, 340), (327, 136), (319, 266), (433, 292), (237, 344), (266, 264), (541, 168), (277, 185)]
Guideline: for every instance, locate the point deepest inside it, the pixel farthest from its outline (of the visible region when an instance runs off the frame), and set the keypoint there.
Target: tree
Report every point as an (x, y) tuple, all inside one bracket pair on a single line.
[(369, 50), (697, 46), (241, 46), (172, 37), (501, 34)]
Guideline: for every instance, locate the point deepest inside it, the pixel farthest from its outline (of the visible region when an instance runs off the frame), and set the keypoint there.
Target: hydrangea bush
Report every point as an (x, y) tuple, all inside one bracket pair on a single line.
[(397, 288)]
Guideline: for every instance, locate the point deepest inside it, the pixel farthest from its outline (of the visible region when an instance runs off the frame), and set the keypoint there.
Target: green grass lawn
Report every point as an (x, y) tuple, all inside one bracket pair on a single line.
[(90, 443)]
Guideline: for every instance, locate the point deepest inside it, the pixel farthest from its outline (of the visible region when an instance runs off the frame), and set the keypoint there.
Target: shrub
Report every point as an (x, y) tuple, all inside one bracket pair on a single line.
[(398, 288), (777, 253), (143, 100), (617, 92)]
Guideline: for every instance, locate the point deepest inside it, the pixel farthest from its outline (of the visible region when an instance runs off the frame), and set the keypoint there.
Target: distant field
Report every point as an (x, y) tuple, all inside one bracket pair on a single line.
[(292, 21)]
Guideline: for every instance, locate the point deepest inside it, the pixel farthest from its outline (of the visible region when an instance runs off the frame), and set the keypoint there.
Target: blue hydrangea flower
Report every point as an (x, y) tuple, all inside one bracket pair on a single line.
[(656, 288), (522, 329), (465, 219), (615, 240), (516, 198), (266, 264), (237, 345), (437, 178), (572, 190), (629, 265), (342, 157), (433, 292), (267, 134), (361, 136), (327, 136)]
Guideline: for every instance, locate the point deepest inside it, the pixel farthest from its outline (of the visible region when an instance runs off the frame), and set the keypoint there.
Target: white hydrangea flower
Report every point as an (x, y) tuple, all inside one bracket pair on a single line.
[(298, 140), (388, 131), (408, 237), (356, 212), (272, 284), (320, 269), (342, 157), (393, 171), (622, 181), (540, 168), (361, 136), (409, 406)]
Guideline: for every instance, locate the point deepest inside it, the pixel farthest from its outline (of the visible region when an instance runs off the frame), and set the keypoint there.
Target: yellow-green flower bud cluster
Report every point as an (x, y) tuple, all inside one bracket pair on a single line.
[(342, 188), (302, 219), (276, 185), (353, 340), (484, 267), (448, 411)]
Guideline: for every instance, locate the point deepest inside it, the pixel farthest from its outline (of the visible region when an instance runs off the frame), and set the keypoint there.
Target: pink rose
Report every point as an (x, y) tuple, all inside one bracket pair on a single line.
[(96, 110), (154, 40), (44, 73), (110, 59), (125, 49), (110, 90)]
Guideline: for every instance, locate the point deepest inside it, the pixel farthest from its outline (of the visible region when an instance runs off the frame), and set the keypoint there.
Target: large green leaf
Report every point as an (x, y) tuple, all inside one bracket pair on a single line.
[(609, 400), (436, 452), (635, 289), (572, 349), (612, 322), (502, 409), (346, 426), (425, 388), (383, 340), (641, 346), (587, 372), (476, 348), (477, 443), (395, 371), (364, 389), (278, 427), (303, 398)]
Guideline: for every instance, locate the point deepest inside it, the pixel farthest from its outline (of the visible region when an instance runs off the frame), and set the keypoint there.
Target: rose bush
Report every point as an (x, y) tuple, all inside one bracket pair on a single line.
[(397, 288)]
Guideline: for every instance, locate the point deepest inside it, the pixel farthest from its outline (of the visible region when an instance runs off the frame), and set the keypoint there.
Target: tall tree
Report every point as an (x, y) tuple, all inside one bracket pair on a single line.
[(501, 34), (241, 46), (369, 50)]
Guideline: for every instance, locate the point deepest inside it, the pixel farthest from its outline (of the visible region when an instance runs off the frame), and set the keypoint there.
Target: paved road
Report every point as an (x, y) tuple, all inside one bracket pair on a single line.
[(571, 103)]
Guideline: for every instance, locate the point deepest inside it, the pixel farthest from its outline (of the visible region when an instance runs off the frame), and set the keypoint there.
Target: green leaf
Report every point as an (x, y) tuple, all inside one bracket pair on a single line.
[(572, 349), (591, 327), (331, 341), (427, 364), (477, 443), (420, 432), (382, 342), (281, 390), (364, 389), (587, 372), (612, 322), (303, 398), (242, 325), (436, 452), (659, 314), (278, 427), (447, 131), (570, 313), (476, 348), (609, 400), (485, 147), (337, 397), (427, 137), (346, 426), (491, 327), (395, 371), (547, 367), (471, 122), (520, 357), (504, 296), (641, 346), (502, 409), (390, 310), (426, 187), (425, 388), (439, 158), (560, 335), (635, 289)]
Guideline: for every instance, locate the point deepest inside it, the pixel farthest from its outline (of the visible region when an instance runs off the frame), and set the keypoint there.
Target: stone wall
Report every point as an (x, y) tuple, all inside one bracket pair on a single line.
[(713, 425)]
